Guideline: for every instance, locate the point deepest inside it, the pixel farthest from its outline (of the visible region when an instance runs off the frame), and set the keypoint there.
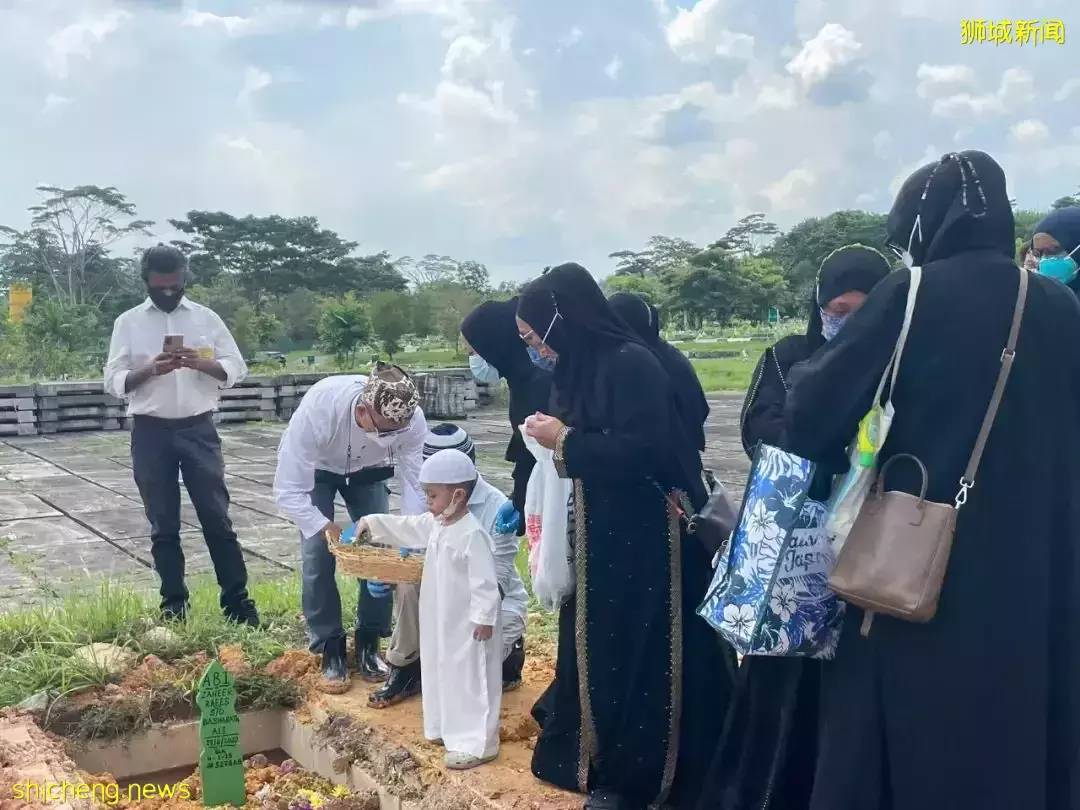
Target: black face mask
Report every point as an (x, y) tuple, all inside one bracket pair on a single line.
[(165, 300)]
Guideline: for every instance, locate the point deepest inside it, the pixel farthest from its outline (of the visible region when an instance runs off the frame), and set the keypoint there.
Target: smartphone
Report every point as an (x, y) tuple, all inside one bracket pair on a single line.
[(173, 343)]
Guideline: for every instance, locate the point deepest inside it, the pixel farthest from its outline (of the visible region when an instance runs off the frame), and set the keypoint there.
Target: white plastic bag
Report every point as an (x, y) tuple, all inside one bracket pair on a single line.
[(546, 500), (851, 490)]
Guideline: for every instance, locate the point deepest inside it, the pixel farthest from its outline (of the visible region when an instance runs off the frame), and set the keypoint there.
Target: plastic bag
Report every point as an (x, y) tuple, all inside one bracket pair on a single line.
[(546, 525), (851, 490)]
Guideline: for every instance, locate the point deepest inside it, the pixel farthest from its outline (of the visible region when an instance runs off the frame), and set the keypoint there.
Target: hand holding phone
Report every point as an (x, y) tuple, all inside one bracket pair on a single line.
[(172, 344)]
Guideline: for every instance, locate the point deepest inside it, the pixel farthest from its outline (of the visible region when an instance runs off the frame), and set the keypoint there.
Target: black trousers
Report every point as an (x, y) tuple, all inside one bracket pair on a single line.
[(160, 450)]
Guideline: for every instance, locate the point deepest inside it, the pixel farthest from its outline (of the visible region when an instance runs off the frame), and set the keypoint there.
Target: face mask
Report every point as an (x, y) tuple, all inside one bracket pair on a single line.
[(545, 363), (165, 301), (482, 370), (382, 440), (452, 509), (1060, 268), (830, 324)]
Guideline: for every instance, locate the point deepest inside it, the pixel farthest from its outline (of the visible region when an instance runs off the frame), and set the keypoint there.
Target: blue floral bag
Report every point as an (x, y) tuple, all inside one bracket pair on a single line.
[(770, 593)]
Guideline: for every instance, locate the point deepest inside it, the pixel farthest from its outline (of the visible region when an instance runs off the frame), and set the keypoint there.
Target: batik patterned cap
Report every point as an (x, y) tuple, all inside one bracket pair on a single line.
[(390, 392)]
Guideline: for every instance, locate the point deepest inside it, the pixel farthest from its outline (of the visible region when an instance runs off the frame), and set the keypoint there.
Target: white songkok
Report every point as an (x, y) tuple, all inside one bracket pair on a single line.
[(447, 467)]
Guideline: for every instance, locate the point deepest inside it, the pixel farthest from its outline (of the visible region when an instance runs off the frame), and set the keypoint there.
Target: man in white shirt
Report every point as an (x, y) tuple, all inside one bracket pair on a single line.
[(349, 435), (171, 398), (497, 515)]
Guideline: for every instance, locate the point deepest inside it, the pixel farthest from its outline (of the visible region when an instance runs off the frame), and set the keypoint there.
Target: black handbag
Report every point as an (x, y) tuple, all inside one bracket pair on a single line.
[(715, 521)]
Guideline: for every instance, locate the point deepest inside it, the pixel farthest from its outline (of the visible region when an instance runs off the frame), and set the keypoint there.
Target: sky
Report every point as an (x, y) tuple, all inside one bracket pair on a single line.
[(524, 133)]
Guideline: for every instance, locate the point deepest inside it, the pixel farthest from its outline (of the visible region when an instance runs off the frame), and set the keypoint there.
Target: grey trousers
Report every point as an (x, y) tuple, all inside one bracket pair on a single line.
[(321, 600), (404, 646)]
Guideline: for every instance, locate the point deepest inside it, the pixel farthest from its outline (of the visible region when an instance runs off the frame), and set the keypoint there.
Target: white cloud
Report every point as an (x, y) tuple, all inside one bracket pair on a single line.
[(1029, 132), (789, 193), (832, 48), (698, 34), (571, 38), (613, 68), (935, 79), (883, 144), (229, 24), (254, 81), (55, 102), (1017, 89), (79, 40), (1066, 91)]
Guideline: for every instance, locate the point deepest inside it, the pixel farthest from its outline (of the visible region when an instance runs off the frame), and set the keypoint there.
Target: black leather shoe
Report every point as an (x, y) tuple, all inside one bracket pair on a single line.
[(335, 666), (403, 683), (244, 613), (370, 665), (512, 666)]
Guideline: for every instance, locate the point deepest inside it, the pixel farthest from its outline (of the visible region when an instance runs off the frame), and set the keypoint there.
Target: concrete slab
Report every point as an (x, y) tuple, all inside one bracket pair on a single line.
[(116, 524), (19, 506), (50, 532)]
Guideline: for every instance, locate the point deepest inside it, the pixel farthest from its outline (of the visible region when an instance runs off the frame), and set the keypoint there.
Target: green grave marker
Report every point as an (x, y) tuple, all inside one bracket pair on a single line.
[(220, 763), (774, 315)]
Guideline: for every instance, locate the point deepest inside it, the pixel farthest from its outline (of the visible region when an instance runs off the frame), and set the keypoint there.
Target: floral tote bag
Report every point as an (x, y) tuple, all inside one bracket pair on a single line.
[(770, 591)]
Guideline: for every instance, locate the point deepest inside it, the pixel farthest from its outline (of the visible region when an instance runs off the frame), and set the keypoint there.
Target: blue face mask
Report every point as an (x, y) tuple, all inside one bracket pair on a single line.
[(482, 370), (1060, 268), (830, 324), (546, 363)]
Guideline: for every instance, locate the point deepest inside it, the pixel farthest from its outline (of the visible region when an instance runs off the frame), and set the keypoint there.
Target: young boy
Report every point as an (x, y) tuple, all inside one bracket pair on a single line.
[(460, 623)]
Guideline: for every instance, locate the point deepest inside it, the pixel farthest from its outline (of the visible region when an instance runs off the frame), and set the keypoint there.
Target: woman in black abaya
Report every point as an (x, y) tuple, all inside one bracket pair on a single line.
[(1055, 248), (641, 683), (491, 332), (767, 755), (980, 707), (643, 318)]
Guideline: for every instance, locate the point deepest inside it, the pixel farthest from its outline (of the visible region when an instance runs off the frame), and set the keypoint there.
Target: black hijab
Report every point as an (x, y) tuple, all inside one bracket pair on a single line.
[(492, 332), (852, 268), (1064, 225), (958, 204), (639, 314), (643, 318)]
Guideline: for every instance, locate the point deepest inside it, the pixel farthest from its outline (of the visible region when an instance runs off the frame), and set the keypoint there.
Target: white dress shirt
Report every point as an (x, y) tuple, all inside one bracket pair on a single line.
[(138, 337), (484, 504), (323, 435)]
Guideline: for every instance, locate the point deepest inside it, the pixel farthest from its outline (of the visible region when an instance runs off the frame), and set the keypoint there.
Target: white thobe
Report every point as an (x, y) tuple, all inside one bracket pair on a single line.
[(462, 677)]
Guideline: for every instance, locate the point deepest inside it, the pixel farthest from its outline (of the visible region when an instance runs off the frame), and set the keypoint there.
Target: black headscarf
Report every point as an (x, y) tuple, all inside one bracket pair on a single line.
[(852, 268), (567, 305), (1064, 225), (492, 332), (639, 314), (958, 204)]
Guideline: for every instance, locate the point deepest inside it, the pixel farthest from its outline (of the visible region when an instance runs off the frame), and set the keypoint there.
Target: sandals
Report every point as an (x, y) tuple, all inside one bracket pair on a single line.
[(460, 761)]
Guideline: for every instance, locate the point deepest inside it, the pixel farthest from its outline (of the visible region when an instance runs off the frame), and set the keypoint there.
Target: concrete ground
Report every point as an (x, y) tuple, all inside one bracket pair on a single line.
[(70, 510)]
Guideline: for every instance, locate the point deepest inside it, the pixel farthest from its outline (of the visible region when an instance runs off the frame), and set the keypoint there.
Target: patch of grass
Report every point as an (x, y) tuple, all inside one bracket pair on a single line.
[(726, 374)]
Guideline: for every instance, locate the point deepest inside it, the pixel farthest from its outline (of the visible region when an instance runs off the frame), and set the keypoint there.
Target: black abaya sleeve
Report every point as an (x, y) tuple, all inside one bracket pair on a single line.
[(763, 408), (640, 432), (834, 389)]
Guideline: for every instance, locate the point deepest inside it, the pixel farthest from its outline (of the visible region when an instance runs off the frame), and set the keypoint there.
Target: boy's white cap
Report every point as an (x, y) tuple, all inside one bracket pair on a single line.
[(447, 467)]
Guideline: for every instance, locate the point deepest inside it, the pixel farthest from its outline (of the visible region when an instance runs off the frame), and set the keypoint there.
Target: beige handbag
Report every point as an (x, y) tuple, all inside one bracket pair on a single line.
[(895, 556)]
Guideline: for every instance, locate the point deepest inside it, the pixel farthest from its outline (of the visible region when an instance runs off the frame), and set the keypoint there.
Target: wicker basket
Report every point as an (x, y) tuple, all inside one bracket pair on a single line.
[(378, 563)]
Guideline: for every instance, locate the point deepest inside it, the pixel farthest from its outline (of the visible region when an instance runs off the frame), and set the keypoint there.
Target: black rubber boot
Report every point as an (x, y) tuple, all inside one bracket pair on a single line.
[(335, 667), (403, 683), (512, 666), (368, 661), (174, 613)]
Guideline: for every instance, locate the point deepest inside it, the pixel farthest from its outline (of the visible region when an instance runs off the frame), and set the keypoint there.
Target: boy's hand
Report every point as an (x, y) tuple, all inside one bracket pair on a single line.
[(483, 632)]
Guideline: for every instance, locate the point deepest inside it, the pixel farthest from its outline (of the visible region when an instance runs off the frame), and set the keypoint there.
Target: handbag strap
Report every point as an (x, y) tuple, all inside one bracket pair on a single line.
[(1008, 355), (909, 310)]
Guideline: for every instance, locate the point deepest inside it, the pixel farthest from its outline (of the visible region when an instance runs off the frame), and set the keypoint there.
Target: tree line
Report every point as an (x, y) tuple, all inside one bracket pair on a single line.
[(288, 283)]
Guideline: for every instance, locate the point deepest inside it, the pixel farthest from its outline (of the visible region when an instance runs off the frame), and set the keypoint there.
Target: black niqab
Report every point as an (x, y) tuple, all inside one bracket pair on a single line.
[(639, 314)]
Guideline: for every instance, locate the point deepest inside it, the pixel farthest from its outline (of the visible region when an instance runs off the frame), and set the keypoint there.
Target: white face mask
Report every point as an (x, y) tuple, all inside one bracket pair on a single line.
[(382, 440), (452, 510)]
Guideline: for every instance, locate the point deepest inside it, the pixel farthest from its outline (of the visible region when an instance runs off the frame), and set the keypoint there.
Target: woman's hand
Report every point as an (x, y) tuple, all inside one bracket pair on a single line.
[(483, 632), (545, 429)]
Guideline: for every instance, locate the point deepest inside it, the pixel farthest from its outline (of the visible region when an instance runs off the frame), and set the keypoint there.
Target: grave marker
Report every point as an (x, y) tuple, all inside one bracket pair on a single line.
[(220, 763)]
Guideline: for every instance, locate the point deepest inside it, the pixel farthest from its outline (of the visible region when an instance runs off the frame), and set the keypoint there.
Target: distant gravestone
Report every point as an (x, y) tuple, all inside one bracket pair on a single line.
[(220, 763), (774, 315)]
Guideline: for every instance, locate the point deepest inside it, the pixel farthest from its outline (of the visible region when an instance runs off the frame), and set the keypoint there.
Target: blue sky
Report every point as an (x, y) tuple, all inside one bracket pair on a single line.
[(522, 134)]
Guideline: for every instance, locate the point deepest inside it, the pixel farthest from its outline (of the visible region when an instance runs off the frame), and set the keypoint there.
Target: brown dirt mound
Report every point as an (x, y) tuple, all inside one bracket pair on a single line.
[(232, 660), (151, 672), (393, 766), (516, 727)]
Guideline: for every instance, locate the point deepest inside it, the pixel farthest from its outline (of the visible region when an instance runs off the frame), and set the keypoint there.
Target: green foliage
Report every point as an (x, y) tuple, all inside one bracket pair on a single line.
[(343, 328), (391, 319)]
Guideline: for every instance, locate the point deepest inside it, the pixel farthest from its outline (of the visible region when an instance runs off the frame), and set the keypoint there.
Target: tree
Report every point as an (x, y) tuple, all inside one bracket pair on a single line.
[(747, 236), (473, 276), (631, 263), (763, 287), (424, 305), (1066, 202), (391, 319), (343, 328), (709, 289), (431, 269), (266, 329), (65, 249), (271, 254), (299, 312), (648, 287), (1025, 220), (661, 254), (367, 275)]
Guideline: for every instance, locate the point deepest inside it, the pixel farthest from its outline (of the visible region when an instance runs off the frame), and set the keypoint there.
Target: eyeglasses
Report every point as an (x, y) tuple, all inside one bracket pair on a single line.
[(532, 332)]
